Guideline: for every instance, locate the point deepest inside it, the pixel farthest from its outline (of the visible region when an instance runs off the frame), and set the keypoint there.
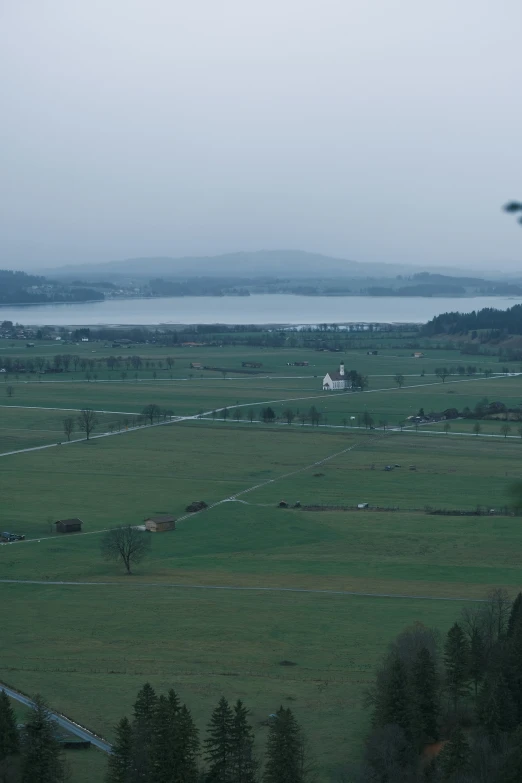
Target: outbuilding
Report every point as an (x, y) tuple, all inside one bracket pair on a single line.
[(73, 525), (160, 524)]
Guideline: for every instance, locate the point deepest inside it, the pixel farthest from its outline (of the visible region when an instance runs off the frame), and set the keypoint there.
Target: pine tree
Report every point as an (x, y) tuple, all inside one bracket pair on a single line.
[(515, 617), (512, 768), (495, 709), (143, 729), (163, 744), (218, 745), (9, 739), (120, 761), (456, 756), (425, 704), (457, 661), (394, 702), (477, 658), (243, 762), (144, 708), (42, 759), (187, 769), (284, 750)]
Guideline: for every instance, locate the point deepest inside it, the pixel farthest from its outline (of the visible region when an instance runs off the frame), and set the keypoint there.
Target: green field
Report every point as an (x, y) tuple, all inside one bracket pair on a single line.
[(89, 647)]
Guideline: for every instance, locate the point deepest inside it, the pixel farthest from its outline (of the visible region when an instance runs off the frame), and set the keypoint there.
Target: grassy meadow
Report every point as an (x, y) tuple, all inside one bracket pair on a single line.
[(89, 647)]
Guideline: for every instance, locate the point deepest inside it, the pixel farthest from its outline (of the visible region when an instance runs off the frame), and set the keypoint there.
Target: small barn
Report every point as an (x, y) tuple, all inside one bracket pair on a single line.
[(160, 524), (73, 525)]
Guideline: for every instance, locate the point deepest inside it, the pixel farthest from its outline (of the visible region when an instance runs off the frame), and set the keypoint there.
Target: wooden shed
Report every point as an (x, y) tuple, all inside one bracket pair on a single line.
[(69, 525), (160, 524)]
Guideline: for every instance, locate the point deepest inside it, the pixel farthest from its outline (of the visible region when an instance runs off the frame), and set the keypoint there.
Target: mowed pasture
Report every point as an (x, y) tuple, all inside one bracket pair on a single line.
[(88, 648)]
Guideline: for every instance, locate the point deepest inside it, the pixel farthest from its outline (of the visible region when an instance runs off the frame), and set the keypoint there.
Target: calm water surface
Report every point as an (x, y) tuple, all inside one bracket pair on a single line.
[(257, 309)]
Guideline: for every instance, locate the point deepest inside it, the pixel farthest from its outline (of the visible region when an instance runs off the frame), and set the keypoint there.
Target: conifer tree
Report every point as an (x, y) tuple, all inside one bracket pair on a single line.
[(477, 658), (42, 759), (187, 767), (120, 763), (425, 705), (495, 707), (515, 617), (9, 739), (163, 744), (394, 704), (243, 762), (143, 729), (457, 662), (456, 756), (218, 745), (512, 768), (284, 750)]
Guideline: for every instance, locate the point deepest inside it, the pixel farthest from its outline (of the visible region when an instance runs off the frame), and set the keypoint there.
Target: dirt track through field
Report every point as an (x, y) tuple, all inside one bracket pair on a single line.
[(242, 588)]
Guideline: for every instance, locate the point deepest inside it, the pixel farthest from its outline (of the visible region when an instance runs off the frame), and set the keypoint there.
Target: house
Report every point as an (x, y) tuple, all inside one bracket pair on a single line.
[(418, 355), (73, 525), (196, 366), (372, 353), (160, 524), (336, 380)]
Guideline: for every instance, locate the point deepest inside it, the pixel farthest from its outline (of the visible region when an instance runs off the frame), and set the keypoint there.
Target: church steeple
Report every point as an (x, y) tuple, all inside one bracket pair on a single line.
[(341, 368)]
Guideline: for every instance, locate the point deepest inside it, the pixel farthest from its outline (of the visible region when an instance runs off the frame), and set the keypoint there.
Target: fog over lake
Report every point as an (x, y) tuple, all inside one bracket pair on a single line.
[(256, 309)]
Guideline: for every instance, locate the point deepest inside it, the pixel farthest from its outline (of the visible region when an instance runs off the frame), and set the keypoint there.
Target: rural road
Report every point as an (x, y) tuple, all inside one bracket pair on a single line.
[(62, 721), (242, 588)]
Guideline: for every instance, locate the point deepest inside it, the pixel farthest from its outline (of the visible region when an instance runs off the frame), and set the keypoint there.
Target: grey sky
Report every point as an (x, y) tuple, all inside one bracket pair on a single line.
[(379, 130)]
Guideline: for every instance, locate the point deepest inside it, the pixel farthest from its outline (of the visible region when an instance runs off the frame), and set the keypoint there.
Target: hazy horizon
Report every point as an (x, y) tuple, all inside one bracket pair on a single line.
[(374, 132)]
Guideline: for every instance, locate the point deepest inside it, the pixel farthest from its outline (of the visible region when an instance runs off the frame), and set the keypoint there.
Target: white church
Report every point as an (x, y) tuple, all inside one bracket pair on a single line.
[(336, 380)]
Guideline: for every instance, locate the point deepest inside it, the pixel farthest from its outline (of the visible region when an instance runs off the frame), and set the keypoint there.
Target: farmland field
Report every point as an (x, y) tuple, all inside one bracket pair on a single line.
[(89, 645)]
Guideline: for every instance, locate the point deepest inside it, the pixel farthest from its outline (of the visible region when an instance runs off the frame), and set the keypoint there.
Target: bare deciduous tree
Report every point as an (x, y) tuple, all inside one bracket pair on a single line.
[(87, 421), (125, 543), (399, 379), (9, 390), (68, 426), (152, 412)]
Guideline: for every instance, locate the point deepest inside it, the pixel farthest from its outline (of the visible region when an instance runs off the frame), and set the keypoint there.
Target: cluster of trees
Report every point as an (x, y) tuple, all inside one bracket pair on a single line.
[(466, 696), (66, 362), (496, 322), (161, 744), (31, 754)]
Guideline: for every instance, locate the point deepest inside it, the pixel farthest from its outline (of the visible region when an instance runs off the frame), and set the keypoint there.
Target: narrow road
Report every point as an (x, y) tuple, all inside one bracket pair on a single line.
[(62, 721), (242, 588)]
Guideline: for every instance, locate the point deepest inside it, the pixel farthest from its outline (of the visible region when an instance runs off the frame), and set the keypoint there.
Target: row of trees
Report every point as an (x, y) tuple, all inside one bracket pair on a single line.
[(269, 416), (31, 754), (88, 419), (161, 744), (65, 362), (465, 694)]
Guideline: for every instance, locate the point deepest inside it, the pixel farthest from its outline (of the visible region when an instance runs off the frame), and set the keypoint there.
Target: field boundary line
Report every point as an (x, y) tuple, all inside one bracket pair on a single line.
[(244, 588)]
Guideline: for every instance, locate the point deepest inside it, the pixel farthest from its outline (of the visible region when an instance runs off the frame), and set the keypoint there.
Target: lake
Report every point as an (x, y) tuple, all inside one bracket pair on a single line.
[(256, 309)]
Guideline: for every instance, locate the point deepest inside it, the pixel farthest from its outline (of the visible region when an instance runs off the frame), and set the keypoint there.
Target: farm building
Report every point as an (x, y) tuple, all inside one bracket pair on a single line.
[(336, 380), (73, 525), (196, 366), (251, 364), (160, 524), (418, 355)]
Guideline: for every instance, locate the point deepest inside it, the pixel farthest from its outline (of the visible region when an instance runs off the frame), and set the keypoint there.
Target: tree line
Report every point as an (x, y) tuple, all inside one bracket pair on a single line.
[(161, 744), (70, 362), (450, 711), (498, 322)]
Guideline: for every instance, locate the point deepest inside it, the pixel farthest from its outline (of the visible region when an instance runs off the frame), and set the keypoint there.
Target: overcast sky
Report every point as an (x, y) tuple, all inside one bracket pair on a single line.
[(376, 130)]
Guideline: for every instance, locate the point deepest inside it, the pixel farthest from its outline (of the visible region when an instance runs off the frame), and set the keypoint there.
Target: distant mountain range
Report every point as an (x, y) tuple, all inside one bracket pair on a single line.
[(295, 264)]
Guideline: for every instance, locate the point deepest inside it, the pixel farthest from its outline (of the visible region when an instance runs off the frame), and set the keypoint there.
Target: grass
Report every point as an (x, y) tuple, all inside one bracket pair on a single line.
[(84, 650), (89, 648)]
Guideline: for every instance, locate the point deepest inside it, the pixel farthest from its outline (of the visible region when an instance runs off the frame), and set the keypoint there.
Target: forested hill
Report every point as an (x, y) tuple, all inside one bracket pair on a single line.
[(21, 288), (506, 321)]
